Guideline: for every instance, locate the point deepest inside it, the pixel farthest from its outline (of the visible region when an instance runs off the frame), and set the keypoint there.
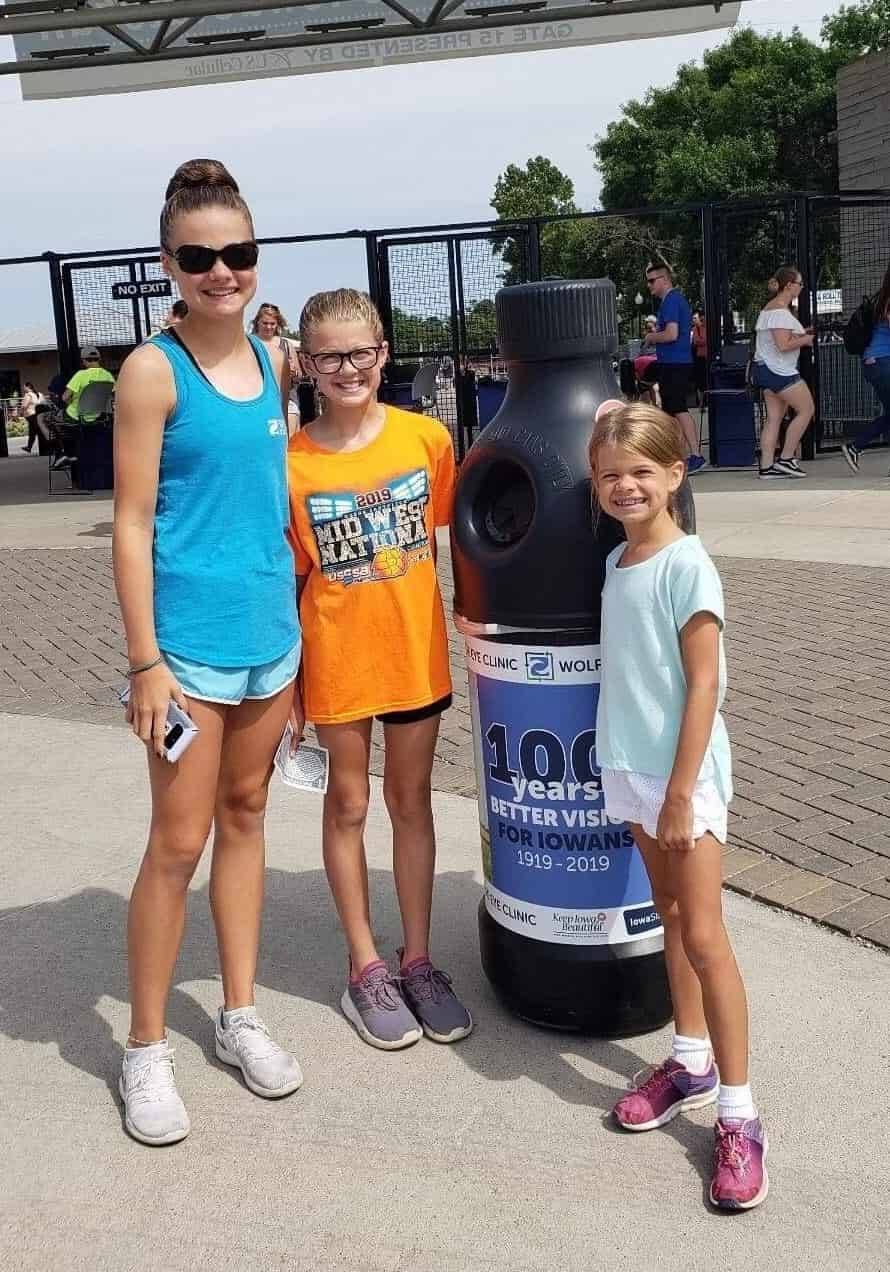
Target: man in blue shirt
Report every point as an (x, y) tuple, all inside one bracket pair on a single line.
[(672, 342)]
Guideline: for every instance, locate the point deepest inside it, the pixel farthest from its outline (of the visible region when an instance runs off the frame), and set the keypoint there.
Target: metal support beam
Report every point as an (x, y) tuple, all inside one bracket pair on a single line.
[(563, 13), (163, 9), (118, 34)]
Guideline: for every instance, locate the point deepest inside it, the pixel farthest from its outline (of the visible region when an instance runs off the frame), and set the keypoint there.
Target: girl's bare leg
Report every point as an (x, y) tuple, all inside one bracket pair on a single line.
[(696, 880), (686, 992), (345, 813), (769, 434), (182, 811), (800, 399), (252, 732), (406, 791)]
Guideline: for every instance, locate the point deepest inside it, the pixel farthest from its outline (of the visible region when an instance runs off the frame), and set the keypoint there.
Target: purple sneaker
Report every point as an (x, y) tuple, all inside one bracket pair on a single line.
[(374, 1005), (740, 1181), (670, 1089), (428, 993)]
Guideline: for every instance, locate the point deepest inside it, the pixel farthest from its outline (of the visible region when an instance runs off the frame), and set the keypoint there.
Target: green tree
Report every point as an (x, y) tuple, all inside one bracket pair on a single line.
[(757, 115), (538, 189), (600, 247), (858, 28)]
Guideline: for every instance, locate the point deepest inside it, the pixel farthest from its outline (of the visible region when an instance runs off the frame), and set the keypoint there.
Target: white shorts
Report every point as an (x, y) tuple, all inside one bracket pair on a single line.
[(637, 798)]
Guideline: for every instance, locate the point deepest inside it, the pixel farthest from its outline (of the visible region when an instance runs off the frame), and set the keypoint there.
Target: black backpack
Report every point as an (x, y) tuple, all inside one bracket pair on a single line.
[(858, 331)]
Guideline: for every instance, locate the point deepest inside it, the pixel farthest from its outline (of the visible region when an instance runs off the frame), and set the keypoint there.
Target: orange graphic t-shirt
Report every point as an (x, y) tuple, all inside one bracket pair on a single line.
[(363, 527)]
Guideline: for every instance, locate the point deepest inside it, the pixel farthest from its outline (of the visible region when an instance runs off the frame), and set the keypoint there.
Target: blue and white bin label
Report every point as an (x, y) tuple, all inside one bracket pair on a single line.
[(557, 867)]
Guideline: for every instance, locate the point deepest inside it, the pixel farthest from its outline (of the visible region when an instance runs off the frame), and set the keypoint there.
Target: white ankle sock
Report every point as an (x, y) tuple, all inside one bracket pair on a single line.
[(695, 1053), (735, 1102)]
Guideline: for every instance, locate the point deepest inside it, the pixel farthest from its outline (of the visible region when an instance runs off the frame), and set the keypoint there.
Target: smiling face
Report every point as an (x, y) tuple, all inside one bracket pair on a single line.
[(350, 386), (220, 292), (632, 488)]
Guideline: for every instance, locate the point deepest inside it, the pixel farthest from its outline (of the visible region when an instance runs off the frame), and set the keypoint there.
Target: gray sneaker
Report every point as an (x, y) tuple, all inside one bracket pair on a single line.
[(153, 1111), (375, 1006), (243, 1041), (428, 993)]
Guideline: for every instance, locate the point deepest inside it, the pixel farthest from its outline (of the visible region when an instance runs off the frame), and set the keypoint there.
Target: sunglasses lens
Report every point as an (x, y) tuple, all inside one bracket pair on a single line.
[(194, 259), (240, 255)]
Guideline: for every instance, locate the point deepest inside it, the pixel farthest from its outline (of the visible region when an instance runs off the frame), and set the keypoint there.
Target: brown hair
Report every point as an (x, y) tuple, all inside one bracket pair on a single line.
[(642, 428), (343, 305), (179, 309), (782, 277), (273, 309), (201, 183)]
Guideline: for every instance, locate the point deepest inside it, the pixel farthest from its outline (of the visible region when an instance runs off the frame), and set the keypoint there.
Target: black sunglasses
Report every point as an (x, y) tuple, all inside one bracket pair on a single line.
[(194, 258)]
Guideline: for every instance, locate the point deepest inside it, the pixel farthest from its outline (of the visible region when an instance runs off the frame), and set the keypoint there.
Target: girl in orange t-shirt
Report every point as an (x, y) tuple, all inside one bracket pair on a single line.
[(369, 484)]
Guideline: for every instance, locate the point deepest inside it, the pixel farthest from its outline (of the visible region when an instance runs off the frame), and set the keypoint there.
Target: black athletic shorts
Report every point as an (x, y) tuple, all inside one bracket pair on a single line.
[(418, 713), (674, 382)]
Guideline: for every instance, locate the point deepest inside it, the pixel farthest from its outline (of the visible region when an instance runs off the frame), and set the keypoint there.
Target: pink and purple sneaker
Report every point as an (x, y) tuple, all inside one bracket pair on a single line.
[(740, 1181), (670, 1089)]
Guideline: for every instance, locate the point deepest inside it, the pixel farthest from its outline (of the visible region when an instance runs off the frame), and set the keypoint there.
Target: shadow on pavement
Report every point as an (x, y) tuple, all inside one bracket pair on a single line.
[(61, 958)]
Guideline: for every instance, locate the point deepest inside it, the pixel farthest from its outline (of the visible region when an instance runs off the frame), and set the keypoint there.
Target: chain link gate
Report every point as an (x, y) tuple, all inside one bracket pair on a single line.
[(113, 304), (849, 248), (437, 303)]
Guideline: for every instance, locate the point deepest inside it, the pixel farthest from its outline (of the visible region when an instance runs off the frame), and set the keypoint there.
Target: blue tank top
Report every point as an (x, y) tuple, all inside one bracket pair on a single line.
[(224, 591)]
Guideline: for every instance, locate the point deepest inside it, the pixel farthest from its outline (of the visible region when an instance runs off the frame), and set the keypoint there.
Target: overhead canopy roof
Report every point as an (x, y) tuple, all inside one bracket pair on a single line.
[(81, 47)]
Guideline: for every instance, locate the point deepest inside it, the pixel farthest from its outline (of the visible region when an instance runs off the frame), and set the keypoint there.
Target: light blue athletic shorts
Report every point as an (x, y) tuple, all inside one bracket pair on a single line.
[(231, 685)]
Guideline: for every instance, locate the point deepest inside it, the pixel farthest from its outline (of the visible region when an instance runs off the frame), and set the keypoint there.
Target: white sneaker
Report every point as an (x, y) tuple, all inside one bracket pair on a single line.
[(154, 1113), (243, 1040)]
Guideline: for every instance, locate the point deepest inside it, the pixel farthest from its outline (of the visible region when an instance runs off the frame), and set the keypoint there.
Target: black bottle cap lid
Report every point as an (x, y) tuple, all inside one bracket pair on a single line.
[(570, 318)]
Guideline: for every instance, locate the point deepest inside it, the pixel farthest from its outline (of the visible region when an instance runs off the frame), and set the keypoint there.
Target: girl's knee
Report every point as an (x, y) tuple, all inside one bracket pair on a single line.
[(408, 801), (705, 943), (177, 852), (347, 806), (242, 806), (667, 907)]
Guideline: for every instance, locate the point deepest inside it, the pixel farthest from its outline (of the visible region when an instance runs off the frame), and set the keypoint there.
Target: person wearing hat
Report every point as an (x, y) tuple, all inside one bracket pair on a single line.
[(91, 372)]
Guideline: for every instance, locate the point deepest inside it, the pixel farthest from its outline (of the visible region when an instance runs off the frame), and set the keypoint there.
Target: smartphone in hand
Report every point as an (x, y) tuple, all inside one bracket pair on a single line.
[(180, 731)]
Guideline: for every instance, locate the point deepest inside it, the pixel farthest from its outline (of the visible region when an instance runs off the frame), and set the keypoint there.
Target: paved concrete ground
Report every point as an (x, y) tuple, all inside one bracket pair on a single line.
[(495, 1155), (808, 644), (492, 1156)]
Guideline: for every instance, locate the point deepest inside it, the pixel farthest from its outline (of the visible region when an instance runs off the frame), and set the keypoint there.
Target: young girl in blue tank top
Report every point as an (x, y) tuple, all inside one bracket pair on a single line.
[(664, 753), (204, 576)]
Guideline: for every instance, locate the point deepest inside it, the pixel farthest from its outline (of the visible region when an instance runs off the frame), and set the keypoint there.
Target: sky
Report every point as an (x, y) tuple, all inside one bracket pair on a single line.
[(392, 146)]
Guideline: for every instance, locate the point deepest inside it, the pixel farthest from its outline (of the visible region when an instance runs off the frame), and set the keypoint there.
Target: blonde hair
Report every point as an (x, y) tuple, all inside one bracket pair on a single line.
[(280, 320), (642, 428), (343, 305)]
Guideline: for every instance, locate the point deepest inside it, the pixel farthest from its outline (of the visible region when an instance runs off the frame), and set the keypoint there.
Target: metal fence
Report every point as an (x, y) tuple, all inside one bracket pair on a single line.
[(436, 286)]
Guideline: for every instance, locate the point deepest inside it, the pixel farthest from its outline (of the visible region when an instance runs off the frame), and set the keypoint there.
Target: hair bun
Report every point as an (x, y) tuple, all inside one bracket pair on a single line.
[(200, 172), (772, 286)]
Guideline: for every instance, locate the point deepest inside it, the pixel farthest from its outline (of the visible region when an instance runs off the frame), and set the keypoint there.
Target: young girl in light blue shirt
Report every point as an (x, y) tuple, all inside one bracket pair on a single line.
[(665, 758)]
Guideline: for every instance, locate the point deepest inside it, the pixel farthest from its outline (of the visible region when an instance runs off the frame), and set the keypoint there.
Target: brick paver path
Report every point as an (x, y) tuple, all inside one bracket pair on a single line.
[(808, 712)]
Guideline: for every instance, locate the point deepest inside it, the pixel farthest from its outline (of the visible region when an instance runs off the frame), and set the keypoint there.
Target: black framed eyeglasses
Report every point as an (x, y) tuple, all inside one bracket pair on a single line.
[(195, 258), (330, 363)]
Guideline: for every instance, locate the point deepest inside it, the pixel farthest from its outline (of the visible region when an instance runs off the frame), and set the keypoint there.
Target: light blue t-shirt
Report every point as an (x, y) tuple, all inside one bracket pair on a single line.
[(643, 688)]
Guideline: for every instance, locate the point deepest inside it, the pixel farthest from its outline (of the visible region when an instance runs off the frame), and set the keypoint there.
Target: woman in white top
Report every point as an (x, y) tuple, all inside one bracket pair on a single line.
[(780, 338)]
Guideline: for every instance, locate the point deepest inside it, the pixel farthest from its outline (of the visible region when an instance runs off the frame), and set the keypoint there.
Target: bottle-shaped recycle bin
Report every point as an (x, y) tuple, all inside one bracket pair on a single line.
[(569, 935)]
